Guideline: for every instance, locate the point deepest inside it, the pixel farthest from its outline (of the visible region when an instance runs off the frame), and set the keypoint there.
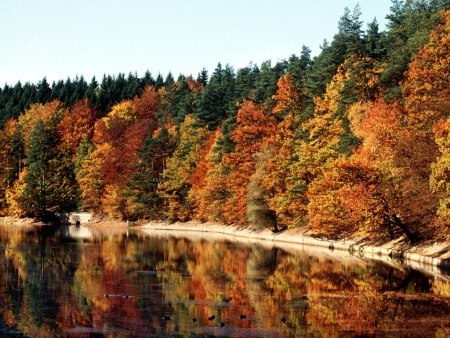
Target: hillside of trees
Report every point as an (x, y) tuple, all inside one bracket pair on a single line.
[(354, 140)]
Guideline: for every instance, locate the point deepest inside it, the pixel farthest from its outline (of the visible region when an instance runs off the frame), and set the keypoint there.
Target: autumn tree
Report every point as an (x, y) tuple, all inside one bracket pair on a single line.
[(11, 158), (175, 179), (90, 175), (440, 178), (253, 125), (209, 182), (401, 158), (279, 151), (77, 122), (427, 101), (49, 113), (426, 87), (116, 138), (317, 155), (259, 213), (37, 132), (198, 177)]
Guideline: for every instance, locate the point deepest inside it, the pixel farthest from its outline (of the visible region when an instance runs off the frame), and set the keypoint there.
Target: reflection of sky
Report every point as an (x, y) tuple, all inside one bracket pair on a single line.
[(80, 232)]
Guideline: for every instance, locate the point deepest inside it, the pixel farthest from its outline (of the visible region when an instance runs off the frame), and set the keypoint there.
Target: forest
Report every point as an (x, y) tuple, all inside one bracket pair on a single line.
[(352, 141)]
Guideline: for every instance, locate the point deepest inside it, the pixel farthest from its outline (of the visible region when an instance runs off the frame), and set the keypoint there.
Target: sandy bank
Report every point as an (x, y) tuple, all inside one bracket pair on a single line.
[(432, 257)]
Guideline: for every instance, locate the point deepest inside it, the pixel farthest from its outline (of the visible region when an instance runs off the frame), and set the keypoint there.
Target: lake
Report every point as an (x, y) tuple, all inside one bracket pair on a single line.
[(86, 282)]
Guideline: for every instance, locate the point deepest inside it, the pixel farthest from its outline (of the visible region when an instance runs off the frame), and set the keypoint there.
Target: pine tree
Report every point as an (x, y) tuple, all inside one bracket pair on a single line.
[(142, 187), (44, 92), (39, 153)]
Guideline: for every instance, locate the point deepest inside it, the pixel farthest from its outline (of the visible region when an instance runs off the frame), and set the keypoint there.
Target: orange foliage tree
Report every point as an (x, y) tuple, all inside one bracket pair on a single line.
[(90, 177), (77, 122), (49, 113), (427, 85), (116, 138), (47, 117), (253, 125), (280, 148), (401, 158), (440, 174), (210, 190), (427, 94), (10, 159), (317, 155)]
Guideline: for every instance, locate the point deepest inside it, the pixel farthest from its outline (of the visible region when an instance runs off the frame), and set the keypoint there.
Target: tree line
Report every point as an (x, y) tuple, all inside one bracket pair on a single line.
[(354, 140)]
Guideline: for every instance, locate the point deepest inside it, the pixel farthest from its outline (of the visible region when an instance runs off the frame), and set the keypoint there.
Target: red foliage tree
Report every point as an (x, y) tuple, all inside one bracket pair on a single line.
[(253, 125)]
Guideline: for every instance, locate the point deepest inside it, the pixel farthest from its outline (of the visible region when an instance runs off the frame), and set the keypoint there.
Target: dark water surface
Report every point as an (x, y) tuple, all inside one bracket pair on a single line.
[(82, 282)]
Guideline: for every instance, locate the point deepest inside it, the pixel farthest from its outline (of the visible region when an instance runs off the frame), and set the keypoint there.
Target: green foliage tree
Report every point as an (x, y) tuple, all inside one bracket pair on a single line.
[(39, 153), (409, 26), (175, 179), (143, 185)]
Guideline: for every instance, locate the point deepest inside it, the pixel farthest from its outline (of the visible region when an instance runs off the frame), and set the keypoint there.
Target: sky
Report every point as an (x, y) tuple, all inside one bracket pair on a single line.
[(58, 39)]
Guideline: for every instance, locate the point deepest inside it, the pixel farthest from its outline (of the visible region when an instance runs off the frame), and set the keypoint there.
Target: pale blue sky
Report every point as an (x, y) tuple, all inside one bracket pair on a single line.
[(65, 38)]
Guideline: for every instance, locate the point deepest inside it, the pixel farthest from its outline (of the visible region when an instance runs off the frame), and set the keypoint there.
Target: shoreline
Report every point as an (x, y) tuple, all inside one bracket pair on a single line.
[(434, 258), (431, 257)]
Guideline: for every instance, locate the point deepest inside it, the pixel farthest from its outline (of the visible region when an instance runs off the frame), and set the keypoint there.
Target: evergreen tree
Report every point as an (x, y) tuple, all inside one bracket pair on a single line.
[(142, 187), (348, 41), (169, 81), (44, 92), (147, 80), (80, 88), (66, 95), (203, 77), (409, 27), (39, 153), (58, 90), (92, 91), (159, 81), (374, 42), (183, 100), (217, 97), (133, 86), (245, 83)]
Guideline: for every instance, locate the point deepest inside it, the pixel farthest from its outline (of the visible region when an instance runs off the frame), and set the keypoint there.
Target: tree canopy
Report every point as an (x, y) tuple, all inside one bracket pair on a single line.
[(353, 140)]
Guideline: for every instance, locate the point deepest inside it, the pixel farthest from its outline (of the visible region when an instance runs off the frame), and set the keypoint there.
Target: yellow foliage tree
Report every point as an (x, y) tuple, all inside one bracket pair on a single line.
[(427, 84), (208, 197), (48, 113), (90, 177), (16, 197), (276, 175), (440, 173), (175, 179)]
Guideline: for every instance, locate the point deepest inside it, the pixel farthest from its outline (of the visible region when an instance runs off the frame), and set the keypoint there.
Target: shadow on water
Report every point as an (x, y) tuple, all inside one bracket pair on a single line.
[(7, 331), (83, 282)]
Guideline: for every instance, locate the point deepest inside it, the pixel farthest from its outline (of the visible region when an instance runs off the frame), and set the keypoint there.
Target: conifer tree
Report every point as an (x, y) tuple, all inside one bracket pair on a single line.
[(39, 153), (143, 184)]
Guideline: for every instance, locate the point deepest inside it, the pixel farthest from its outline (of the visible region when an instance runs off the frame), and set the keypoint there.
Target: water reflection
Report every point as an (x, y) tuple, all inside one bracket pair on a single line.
[(84, 282)]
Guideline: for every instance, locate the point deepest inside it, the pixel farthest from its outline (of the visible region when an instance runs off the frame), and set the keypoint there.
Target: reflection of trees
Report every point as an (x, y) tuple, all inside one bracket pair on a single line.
[(217, 281), (48, 288), (283, 284), (36, 273)]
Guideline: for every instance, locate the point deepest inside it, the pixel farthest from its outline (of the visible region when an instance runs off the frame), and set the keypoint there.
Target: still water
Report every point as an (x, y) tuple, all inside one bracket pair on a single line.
[(83, 282)]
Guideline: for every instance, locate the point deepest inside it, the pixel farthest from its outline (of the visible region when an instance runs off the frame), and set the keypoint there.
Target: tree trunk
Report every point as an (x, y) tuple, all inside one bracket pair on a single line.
[(405, 230)]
